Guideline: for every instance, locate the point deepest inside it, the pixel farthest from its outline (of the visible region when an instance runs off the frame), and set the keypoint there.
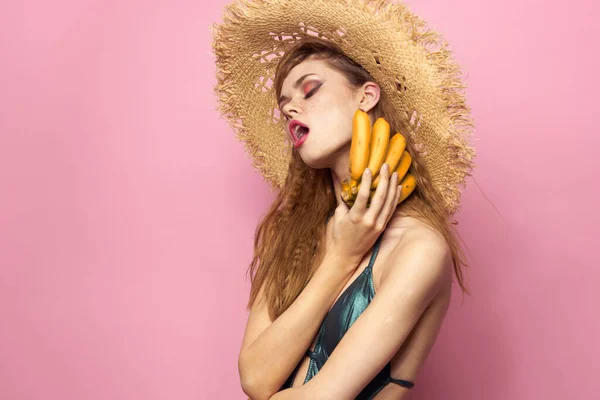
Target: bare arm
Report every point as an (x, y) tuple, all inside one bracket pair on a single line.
[(272, 349), (414, 275)]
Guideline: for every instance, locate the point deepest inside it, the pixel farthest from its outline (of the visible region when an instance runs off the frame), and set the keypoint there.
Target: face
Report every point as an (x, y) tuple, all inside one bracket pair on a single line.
[(325, 103)]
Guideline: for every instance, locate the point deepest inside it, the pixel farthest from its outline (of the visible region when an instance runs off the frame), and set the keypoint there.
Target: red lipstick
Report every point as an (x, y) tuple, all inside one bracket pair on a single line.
[(298, 131)]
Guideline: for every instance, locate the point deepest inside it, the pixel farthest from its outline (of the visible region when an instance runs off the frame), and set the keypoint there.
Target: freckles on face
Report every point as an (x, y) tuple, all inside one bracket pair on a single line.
[(331, 113), (328, 111), (330, 106)]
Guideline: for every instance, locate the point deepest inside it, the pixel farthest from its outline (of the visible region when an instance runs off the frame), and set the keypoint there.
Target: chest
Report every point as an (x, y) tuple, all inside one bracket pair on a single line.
[(348, 306)]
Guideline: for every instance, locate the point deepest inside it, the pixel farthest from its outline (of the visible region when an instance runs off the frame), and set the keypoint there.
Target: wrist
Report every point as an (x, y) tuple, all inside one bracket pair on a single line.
[(338, 267)]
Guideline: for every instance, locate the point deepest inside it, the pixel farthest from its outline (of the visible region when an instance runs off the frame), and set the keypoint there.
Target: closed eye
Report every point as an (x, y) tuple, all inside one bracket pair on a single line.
[(312, 91), (307, 96)]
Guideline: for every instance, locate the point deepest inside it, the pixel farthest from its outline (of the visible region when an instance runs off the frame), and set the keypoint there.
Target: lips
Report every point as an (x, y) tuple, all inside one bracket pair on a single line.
[(298, 131)]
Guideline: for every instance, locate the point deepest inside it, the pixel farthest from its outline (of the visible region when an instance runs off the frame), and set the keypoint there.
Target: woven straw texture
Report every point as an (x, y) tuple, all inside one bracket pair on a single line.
[(411, 63)]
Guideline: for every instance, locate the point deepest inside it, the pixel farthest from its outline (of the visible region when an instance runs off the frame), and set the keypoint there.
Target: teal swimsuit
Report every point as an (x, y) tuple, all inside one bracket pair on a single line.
[(353, 301)]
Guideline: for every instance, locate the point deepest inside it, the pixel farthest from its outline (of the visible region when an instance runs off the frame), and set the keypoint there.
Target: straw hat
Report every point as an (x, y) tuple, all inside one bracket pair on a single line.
[(410, 62)]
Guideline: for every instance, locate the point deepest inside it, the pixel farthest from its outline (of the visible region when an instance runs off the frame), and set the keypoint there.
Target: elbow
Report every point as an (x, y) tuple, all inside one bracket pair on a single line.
[(255, 391), (253, 385)]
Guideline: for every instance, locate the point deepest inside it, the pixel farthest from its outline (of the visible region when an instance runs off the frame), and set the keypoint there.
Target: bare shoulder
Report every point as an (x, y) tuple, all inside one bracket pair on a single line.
[(411, 232), (418, 250)]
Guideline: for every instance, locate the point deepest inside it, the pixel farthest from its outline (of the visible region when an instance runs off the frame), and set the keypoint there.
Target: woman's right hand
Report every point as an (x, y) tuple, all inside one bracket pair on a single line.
[(353, 231)]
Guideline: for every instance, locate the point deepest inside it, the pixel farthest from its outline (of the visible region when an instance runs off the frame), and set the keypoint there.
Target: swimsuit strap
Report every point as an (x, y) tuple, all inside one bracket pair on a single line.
[(375, 251), (401, 382)]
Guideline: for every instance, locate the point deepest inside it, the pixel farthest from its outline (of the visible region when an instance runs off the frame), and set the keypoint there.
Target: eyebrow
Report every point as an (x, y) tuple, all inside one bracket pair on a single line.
[(283, 100)]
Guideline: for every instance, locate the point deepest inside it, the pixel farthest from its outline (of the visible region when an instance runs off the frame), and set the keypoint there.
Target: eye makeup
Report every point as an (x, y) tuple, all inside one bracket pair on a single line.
[(313, 90), (310, 93)]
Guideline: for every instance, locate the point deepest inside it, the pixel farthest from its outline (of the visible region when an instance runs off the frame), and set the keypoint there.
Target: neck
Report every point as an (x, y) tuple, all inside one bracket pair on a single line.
[(340, 171)]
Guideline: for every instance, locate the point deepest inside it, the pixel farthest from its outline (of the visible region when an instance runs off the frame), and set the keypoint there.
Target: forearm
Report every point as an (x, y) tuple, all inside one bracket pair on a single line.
[(271, 358), (296, 393)]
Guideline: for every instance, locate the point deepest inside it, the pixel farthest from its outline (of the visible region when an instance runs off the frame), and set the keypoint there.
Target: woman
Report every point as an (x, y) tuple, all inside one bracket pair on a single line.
[(345, 302)]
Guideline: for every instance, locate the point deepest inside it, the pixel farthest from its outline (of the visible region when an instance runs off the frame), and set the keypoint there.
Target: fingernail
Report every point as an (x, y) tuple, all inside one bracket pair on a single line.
[(367, 171)]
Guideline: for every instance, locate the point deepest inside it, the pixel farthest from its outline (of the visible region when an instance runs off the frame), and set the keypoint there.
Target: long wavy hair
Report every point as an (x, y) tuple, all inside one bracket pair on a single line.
[(289, 237)]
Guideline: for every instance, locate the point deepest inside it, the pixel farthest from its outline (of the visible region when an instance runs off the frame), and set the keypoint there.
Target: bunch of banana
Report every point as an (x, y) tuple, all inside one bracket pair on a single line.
[(371, 149)]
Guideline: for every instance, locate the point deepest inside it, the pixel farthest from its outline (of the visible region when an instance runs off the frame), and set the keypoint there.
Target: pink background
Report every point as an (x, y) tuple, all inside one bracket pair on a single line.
[(128, 209)]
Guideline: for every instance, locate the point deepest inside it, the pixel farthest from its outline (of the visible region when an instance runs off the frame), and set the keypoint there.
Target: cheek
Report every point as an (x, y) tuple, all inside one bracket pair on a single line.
[(332, 115)]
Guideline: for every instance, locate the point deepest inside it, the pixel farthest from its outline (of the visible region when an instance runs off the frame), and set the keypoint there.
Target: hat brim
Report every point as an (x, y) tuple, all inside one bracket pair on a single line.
[(412, 65)]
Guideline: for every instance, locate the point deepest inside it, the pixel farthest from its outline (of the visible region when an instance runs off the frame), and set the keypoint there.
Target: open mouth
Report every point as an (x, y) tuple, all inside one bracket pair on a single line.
[(299, 133)]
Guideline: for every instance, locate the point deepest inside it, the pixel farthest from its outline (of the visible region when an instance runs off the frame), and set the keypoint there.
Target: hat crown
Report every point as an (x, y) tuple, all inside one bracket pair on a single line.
[(412, 65)]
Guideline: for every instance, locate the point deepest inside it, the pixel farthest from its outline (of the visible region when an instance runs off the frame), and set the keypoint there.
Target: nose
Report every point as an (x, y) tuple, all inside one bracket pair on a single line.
[(291, 109)]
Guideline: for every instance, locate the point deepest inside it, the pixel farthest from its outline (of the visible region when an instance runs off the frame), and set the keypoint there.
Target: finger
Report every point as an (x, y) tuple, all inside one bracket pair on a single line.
[(395, 202), (360, 204), (342, 208), (378, 199), (390, 201)]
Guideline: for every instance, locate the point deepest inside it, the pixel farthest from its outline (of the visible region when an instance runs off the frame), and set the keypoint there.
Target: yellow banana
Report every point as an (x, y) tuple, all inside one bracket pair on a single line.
[(371, 147), (346, 185), (380, 138), (350, 198), (346, 190), (408, 185), (394, 153), (346, 198), (360, 146), (404, 165)]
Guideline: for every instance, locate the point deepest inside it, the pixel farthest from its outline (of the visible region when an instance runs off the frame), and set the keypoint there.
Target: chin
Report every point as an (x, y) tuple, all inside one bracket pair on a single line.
[(315, 161), (317, 157)]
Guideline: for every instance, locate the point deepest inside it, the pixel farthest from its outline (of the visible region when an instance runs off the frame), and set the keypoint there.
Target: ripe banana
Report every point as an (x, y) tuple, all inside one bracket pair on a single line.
[(394, 153), (379, 145), (346, 196), (408, 185), (372, 147), (404, 165), (360, 146)]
